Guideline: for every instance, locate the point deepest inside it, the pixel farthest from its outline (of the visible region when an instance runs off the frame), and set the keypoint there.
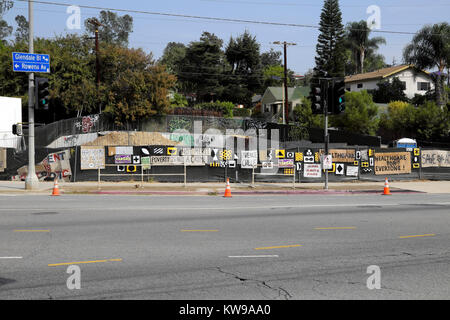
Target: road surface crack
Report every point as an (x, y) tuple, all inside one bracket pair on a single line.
[(282, 293)]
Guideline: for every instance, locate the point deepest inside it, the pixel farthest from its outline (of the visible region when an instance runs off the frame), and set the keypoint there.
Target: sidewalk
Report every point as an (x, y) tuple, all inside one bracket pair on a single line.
[(12, 187)]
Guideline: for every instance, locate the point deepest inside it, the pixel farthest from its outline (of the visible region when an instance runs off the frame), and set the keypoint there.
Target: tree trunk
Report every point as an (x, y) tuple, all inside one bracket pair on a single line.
[(439, 88), (362, 56)]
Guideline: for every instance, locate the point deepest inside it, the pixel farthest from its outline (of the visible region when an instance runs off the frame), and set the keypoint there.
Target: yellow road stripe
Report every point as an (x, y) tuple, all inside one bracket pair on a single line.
[(417, 236), (279, 247), (31, 230), (336, 228), (83, 262), (199, 230)]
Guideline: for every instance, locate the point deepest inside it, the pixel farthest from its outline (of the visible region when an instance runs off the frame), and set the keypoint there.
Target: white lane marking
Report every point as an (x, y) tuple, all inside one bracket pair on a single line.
[(11, 257), (226, 208), (255, 256)]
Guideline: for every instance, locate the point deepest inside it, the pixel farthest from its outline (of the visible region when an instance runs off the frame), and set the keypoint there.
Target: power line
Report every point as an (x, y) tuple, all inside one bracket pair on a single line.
[(202, 17)]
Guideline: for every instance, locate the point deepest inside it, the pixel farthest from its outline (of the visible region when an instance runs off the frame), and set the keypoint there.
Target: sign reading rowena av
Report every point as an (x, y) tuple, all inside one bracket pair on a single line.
[(31, 62)]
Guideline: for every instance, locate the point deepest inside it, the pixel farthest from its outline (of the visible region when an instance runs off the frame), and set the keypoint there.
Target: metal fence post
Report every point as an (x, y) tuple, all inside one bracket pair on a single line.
[(99, 178), (253, 177), (184, 162), (293, 185)]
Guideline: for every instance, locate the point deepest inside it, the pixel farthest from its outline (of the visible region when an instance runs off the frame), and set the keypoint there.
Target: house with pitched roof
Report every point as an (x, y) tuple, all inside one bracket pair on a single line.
[(415, 81), (272, 100)]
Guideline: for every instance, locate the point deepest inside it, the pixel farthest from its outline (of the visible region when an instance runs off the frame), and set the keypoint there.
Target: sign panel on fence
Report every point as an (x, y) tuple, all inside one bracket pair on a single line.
[(122, 159), (92, 158), (435, 158), (249, 159), (286, 163), (392, 163), (312, 171), (352, 171), (2, 159)]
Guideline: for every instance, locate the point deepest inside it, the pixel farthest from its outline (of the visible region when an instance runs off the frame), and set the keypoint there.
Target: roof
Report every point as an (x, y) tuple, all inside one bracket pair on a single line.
[(380, 74), (275, 94)]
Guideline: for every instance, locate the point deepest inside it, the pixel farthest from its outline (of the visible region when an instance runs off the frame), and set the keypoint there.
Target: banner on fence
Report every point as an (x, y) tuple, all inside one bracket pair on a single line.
[(92, 158), (341, 155), (435, 158), (392, 163)]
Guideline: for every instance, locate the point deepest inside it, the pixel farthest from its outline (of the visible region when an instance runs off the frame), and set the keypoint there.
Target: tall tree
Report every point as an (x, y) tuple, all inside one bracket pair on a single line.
[(430, 49), (357, 39), (22, 30), (244, 74), (114, 29), (202, 67), (271, 58), (173, 55), (330, 48), (5, 28)]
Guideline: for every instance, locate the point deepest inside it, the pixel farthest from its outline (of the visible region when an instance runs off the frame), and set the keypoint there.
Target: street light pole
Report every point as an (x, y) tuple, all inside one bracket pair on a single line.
[(31, 182), (286, 99), (97, 24)]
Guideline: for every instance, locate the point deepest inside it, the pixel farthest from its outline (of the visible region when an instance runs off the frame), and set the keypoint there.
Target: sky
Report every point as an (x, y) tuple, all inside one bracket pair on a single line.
[(153, 32)]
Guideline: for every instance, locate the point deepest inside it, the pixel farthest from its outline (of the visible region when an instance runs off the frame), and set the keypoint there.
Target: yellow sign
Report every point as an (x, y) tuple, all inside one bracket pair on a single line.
[(131, 168), (417, 152), (281, 154), (288, 172), (332, 170), (370, 152), (364, 164), (226, 155), (356, 163), (172, 151), (392, 163), (298, 156)]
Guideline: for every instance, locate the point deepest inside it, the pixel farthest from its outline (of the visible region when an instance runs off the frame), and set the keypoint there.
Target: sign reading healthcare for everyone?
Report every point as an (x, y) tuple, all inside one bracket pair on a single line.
[(31, 62)]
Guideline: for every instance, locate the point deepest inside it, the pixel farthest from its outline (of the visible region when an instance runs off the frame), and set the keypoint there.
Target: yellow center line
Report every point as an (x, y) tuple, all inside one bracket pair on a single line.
[(280, 247), (417, 236), (336, 228), (31, 230), (199, 230), (83, 262)]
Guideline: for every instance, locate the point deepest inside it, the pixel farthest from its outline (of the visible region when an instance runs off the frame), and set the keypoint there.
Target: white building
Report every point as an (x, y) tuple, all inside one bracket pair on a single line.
[(415, 81), (11, 113)]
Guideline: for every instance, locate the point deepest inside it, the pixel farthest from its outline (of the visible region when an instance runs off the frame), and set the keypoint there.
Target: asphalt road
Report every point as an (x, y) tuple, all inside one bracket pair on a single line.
[(248, 247)]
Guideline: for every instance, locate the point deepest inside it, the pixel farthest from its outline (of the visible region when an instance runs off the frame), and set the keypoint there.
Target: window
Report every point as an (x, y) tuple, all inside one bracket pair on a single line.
[(360, 85), (423, 86), (403, 85), (348, 89)]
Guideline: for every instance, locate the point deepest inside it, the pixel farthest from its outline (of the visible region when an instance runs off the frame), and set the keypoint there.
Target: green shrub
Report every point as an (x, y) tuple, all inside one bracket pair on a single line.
[(225, 107), (237, 112)]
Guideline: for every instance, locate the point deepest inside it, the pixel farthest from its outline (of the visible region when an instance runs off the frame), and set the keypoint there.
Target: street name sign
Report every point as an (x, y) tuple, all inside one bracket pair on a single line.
[(31, 62)]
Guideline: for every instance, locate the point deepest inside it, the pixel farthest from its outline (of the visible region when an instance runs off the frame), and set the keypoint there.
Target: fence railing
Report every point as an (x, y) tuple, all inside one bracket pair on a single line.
[(142, 174)]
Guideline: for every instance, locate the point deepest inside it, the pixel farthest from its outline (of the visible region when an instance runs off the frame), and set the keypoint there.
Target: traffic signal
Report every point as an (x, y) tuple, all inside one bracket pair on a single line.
[(317, 100), (338, 97), (42, 94), (17, 129)]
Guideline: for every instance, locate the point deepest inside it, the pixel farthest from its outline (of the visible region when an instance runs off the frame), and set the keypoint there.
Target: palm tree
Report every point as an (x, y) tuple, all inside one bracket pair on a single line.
[(357, 39), (430, 49)]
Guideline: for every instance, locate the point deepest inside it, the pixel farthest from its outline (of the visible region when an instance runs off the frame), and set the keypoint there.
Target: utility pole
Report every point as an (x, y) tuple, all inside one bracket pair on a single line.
[(286, 99), (97, 24), (31, 182)]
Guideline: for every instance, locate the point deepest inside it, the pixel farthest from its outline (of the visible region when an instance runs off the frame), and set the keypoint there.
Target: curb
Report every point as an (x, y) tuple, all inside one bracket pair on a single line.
[(244, 193)]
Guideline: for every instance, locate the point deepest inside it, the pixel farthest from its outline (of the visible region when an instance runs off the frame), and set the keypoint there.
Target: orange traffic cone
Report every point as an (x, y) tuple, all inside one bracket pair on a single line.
[(387, 191), (56, 188), (228, 189)]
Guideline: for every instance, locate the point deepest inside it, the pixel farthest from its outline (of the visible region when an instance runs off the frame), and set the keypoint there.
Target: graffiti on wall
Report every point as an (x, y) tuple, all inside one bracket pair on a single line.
[(87, 123)]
